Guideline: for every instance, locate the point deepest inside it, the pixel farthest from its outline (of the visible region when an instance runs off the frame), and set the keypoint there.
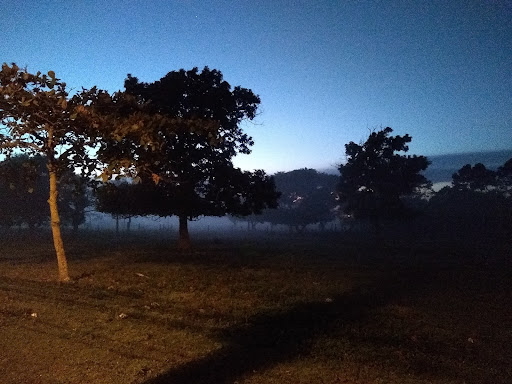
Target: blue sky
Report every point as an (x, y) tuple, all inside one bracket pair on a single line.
[(326, 71)]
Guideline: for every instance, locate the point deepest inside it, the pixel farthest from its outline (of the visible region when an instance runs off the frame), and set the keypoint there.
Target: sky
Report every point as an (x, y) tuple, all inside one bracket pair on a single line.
[(327, 72)]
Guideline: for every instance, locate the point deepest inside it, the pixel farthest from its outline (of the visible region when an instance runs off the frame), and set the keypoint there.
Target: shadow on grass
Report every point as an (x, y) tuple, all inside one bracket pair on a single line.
[(272, 338)]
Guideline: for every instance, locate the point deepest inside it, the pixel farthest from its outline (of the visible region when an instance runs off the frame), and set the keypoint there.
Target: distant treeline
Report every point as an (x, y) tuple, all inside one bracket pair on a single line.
[(477, 205)]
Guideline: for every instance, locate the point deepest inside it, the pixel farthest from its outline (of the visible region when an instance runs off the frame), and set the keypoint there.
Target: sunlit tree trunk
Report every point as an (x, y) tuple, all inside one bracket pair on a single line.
[(184, 238), (55, 222)]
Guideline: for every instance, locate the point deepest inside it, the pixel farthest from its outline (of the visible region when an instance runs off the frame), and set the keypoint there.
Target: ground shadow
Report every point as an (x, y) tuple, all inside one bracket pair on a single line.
[(271, 338)]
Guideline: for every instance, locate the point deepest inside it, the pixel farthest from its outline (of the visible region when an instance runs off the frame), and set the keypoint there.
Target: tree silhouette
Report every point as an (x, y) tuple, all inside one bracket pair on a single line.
[(476, 178), (375, 176), (470, 214), (126, 200), (24, 186), (189, 159), (477, 206), (307, 197)]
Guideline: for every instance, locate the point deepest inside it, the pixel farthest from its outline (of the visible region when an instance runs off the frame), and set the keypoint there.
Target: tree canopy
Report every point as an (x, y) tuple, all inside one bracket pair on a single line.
[(24, 191), (376, 176), (307, 197), (476, 178), (478, 205), (189, 156)]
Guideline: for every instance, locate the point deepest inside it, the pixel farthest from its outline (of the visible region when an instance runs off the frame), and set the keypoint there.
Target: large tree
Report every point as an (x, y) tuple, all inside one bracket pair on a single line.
[(37, 117), (190, 157), (376, 176)]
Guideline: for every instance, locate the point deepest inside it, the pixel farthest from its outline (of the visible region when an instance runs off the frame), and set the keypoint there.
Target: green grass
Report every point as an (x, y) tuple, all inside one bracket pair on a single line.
[(271, 310)]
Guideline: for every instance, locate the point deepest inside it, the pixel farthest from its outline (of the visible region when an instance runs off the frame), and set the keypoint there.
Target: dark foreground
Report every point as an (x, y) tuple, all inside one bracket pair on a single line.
[(277, 310)]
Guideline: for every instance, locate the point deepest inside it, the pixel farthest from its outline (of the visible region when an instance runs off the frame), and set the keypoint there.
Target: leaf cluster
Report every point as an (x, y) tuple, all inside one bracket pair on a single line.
[(307, 197), (38, 117)]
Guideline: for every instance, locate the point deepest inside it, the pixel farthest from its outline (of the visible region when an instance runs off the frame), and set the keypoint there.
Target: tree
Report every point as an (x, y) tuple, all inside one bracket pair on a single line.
[(307, 197), (469, 214), (476, 178), (375, 177), (24, 190), (189, 161), (38, 118), (477, 206), (125, 199)]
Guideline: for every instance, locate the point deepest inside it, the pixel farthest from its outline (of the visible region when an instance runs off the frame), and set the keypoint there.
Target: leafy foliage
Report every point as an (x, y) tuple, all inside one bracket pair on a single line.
[(307, 197), (375, 177), (39, 118), (125, 199), (478, 205), (187, 155), (24, 190), (475, 178)]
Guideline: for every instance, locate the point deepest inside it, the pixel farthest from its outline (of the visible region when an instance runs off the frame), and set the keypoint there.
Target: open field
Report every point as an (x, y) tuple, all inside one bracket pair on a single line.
[(308, 309)]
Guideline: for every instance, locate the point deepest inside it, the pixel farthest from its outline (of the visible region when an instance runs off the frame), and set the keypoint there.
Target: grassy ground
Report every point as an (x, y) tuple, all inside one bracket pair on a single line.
[(286, 310)]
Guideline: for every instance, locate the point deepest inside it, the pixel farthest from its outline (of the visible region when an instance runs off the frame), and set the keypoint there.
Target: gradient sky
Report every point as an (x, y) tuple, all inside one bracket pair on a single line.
[(326, 71)]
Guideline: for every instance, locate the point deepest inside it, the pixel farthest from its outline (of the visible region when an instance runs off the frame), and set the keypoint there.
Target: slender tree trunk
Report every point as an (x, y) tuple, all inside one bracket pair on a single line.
[(184, 238), (129, 224), (55, 220), (117, 224)]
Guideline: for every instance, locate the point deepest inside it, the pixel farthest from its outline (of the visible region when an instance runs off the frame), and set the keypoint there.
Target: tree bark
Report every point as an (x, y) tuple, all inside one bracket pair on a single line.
[(184, 238), (55, 222)]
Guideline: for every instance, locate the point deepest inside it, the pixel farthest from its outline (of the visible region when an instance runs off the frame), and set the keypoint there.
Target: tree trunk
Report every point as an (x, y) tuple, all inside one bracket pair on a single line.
[(184, 238), (117, 225), (129, 224), (55, 220)]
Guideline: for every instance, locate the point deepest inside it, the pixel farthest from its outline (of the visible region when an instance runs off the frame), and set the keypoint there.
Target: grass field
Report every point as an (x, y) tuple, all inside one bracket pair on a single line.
[(310, 309)]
